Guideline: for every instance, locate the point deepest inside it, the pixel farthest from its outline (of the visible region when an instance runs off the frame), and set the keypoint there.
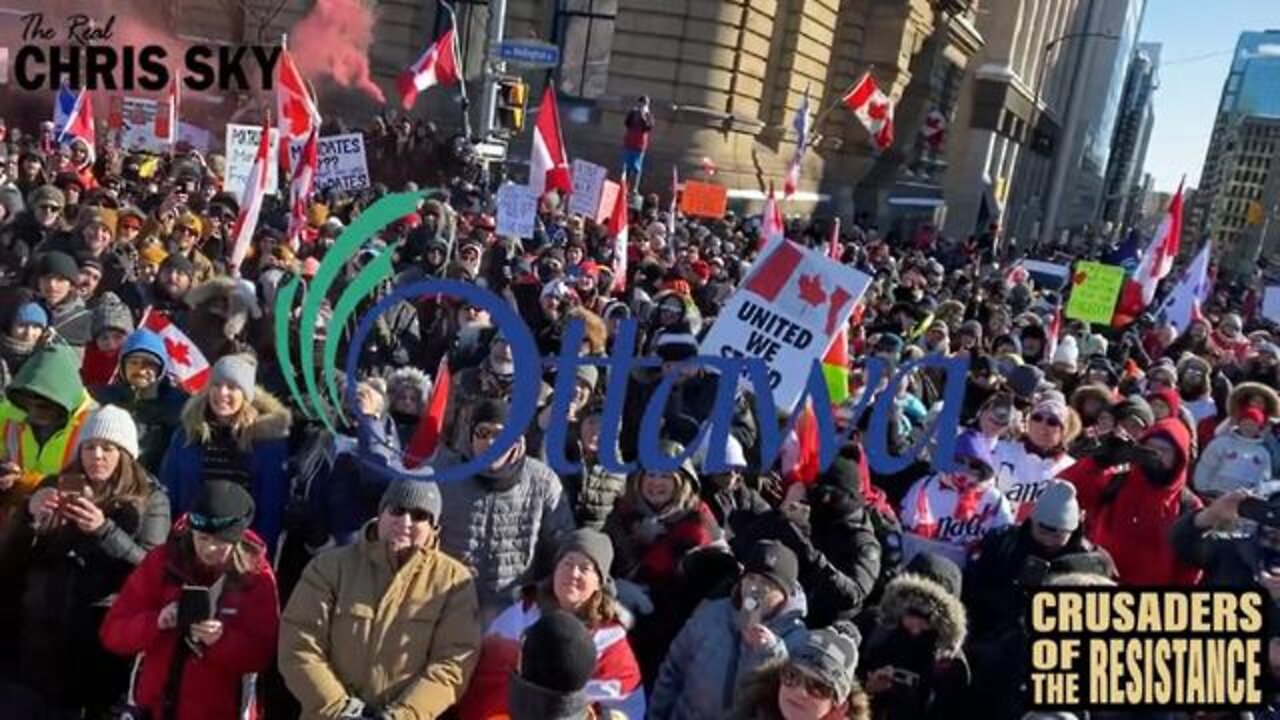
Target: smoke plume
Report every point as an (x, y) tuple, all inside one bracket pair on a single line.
[(333, 41)]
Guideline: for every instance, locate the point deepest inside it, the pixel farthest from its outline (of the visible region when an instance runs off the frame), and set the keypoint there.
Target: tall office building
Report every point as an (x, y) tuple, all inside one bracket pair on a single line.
[(1238, 187), (1124, 190)]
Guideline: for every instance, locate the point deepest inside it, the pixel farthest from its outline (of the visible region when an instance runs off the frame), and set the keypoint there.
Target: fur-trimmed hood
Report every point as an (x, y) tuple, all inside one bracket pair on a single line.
[(918, 594), (409, 377), (242, 301), (1247, 390), (269, 419)]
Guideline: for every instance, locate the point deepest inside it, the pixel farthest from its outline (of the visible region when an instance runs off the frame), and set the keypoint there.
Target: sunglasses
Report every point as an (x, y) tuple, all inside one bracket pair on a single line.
[(1049, 420), (792, 677), (49, 208), (485, 432), (417, 515)]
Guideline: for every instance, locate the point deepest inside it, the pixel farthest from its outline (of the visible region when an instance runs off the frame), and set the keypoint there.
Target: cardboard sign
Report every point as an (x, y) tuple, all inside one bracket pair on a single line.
[(340, 162), (608, 199), (1094, 290), (242, 149), (703, 199), (786, 312), (137, 126), (517, 211), (1271, 303), (588, 183)]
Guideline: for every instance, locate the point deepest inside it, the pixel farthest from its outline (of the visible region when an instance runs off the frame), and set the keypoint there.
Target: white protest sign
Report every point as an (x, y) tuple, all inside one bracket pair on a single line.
[(242, 149), (340, 162), (588, 182), (137, 127), (1271, 303), (786, 312), (517, 211)]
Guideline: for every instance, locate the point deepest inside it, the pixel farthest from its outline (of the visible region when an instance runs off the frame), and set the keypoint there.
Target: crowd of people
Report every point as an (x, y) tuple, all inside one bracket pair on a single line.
[(220, 554)]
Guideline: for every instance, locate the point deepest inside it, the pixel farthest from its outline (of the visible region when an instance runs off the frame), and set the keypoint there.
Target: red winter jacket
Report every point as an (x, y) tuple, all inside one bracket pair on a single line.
[(211, 684), (1134, 525)]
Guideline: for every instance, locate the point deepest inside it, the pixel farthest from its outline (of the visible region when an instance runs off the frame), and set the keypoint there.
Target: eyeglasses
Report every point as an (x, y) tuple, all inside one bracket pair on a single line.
[(49, 208), (487, 432), (792, 677), (417, 515), (1049, 420)]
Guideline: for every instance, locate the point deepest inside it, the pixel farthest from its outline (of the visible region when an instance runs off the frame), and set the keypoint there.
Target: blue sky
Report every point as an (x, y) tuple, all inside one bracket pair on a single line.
[(1189, 90)]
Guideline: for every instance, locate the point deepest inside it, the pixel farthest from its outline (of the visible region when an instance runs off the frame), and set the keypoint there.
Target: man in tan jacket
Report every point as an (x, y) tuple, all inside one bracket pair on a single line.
[(385, 628)]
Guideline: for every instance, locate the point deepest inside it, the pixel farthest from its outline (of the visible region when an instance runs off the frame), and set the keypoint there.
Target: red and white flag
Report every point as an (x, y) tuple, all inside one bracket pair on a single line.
[(255, 189), (296, 110), (166, 123), (771, 227), (675, 197), (187, 365), (800, 456), (426, 437), (1052, 335), (549, 164), (1158, 259), (801, 126), (437, 66), (835, 249), (618, 230), (873, 108), (300, 188)]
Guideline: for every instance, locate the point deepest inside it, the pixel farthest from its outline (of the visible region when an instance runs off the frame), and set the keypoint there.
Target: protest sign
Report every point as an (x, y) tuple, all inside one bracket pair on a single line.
[(242, 149), (703, 199), (137, 126), (588, 183), (1047, 275), (517, 211), (1094, 290), (1271, 303), (786, 312), (340, 162), (608, 198), (195, 136)]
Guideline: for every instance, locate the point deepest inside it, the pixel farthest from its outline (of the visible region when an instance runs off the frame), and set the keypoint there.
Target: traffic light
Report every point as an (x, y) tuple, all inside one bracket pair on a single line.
[(513, 97)]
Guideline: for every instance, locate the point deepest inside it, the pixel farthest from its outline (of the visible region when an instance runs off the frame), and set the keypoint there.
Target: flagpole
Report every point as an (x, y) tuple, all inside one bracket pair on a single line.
[(462, 80), (817, 121)]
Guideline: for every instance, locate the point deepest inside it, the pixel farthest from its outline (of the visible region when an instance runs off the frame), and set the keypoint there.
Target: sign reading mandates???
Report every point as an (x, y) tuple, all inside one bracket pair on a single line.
[(242, 150), (786, 312), (340, 162)]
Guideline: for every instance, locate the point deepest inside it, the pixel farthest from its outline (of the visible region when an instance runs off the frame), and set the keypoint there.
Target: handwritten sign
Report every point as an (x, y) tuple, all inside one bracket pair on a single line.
[(517, 211), (1094, 290), (703, 199), (340, 162), (242, 149), (588, 183), (608, 199)]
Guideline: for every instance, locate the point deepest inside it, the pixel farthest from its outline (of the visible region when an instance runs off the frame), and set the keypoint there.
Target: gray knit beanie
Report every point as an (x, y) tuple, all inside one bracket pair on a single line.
[(238, 370), (112, 423), (595, 545), (412, 495), (111, 314)]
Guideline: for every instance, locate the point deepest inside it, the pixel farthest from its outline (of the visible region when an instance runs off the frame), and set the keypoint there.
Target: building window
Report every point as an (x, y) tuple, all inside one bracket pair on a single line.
[(471, 34), (584, 32)]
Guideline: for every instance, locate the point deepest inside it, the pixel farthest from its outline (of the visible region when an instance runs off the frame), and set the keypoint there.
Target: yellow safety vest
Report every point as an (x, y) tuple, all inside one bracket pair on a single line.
[(39, 461)]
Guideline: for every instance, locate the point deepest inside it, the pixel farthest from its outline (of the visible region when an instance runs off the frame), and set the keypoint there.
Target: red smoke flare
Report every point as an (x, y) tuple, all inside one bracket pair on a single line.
[(334, 40)]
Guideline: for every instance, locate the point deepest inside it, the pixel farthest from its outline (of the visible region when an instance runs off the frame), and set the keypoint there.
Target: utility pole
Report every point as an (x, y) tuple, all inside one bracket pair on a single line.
[(489, 93)]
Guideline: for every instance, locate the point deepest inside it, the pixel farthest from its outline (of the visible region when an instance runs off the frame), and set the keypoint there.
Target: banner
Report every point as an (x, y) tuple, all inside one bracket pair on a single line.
[(588, 183), (517, 211), (1271, 303), (340, 162), (703, 199), (241, 148), (786, 312), (1094, 290)]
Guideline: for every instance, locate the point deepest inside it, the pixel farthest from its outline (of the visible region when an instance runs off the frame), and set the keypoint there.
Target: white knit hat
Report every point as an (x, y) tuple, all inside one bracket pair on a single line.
[(1067, 354), (112, 423)]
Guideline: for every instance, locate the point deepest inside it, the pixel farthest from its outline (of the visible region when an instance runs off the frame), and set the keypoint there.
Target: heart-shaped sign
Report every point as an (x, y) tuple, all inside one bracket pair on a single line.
[(1079, 278)]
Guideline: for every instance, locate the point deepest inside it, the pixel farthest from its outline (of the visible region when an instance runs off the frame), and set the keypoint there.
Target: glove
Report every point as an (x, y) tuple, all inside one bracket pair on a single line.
[(634, 597), (353, 710)]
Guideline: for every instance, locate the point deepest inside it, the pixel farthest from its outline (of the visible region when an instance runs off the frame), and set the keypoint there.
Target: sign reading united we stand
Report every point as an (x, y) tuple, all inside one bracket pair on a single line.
[(786, 312)]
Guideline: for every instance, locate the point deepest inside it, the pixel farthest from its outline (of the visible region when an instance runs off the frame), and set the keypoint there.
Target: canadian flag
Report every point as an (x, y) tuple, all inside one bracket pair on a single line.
[(426, 436), (187, 364), (549, 164), (618, 230), (873, 108), (800, 453), (166, 123), (301, 187), (437, 66), (1185, 302), (255, 189), (795, 283), (1053, 334), (801, 126), (771, 223), (296, 110), (1157, 261)]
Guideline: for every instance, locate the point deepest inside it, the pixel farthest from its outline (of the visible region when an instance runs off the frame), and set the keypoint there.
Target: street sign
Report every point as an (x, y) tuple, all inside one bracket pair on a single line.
[(492, 150), (531, 53)]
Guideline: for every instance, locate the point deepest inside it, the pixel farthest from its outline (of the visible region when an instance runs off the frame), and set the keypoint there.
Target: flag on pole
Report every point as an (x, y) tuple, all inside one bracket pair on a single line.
[(187, 365), (1052, 335), (800, 458), (675, 198), (873, 108), (835, 249), (771, 227), (255, 189), (549, 164), (618, 230), (1185, 302), (73, 119), (801, 126), (437, 66), (426, 437), (1154, 265), (296, 112), (166, 122), (300, 188), (835, 367)]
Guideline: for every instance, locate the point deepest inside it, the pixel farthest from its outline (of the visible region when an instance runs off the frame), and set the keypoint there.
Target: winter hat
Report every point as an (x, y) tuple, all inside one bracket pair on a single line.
[(595, 545), (58, 263), (112, 423), (1255, 414), (1067, 354), (412, 495), (490, 411), (145, 342), (222, 509), (558, 653), (1094, 345), (889, 343), (970, 447), (112, 314), (845, 474), (238, 370), (153, 254), (939, 569), (775, 562), (676, 346), (831, 658), (587, 375), (1054, 408), (31, 314), (178, 263), (1057, 507), (46, 195), (1134, 406), (1025, 380)]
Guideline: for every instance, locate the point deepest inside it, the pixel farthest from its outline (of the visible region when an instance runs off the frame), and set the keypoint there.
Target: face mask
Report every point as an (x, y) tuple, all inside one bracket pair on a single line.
[(1155, 471)]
